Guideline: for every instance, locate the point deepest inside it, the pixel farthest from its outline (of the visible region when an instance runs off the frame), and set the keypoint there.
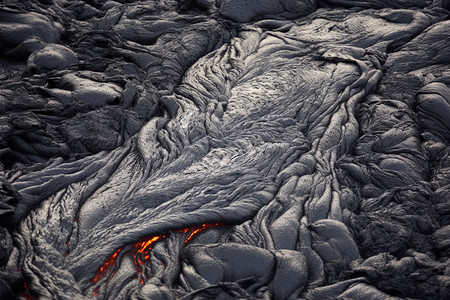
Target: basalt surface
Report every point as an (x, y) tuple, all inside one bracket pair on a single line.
[(227, 149)]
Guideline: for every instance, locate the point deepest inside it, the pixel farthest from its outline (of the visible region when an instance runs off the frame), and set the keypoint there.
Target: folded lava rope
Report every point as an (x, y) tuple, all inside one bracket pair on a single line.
[(201, 149)]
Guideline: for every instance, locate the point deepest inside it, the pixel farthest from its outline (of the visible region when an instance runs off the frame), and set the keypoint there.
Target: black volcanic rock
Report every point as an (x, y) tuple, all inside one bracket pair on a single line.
[(200, 149)]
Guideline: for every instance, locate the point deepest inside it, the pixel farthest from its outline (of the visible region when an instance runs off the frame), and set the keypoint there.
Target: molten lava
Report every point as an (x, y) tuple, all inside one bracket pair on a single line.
[(195, 230), (141, 253), (26, 292)]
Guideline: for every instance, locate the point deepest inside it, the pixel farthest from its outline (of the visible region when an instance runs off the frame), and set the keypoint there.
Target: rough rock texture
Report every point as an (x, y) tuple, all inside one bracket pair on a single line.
[(200, 149)]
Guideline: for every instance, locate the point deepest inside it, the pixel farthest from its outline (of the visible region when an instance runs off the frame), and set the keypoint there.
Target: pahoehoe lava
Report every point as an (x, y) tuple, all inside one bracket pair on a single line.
[(225, 149)]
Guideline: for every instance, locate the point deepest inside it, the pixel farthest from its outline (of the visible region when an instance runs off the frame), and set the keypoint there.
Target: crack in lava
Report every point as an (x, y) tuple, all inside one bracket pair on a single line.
[(141, 253)]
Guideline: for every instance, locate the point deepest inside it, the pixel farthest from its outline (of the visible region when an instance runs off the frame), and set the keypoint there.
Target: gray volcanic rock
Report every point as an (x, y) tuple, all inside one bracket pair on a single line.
[(52, 57), (225, 149), (25, 32), (247, 10)]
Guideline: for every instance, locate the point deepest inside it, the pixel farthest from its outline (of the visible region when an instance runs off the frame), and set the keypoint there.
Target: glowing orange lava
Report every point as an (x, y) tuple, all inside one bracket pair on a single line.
[(196, 230), (141, 253), (111, 261)]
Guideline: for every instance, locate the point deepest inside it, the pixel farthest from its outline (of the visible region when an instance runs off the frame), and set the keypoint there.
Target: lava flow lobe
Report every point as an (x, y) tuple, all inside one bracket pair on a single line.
[(141, 253)]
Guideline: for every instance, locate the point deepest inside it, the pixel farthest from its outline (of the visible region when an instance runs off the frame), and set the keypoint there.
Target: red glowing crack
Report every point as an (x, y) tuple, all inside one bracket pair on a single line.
[(26, 292), (141, 253)]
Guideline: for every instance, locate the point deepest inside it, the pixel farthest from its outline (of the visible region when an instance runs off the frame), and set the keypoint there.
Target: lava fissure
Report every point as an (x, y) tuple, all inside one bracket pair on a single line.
[(26, 292), (141, 253)]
